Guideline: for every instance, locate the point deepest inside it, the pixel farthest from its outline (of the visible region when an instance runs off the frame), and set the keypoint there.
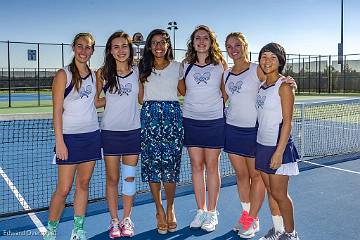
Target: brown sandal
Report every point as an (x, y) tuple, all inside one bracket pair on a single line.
[(162, 227), (171, 221)]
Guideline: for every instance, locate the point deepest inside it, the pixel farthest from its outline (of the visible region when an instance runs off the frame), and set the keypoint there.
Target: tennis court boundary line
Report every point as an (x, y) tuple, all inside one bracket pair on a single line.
[(335, 168), (23, 202)]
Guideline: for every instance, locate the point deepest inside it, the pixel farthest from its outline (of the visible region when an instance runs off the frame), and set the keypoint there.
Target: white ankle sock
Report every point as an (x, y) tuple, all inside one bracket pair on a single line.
[(278, 223), (245, 206)]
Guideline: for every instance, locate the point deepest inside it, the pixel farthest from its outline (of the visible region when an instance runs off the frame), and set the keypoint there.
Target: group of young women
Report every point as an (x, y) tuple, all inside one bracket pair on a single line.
[(257, 125)]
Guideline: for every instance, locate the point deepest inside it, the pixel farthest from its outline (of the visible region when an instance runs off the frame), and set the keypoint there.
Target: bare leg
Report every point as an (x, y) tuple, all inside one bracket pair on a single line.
[(112, 180), (197, 157), (257, 188), (83, 176), (213, 176), (66, 175), (279, 191), (242, 176)]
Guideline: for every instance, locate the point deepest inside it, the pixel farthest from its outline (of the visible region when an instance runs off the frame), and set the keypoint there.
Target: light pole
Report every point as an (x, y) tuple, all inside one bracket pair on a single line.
[(173, 26)]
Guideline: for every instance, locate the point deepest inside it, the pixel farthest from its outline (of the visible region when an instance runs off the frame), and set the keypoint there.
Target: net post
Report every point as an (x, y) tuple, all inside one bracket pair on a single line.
[(302, 131)]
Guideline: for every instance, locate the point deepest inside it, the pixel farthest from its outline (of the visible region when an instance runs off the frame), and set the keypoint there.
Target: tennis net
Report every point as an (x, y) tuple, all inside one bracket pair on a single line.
[(27, 141)]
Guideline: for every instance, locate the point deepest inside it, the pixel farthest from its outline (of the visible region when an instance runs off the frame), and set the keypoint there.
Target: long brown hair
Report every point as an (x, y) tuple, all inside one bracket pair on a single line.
[(109, 68), (215, 55), (76, 78)]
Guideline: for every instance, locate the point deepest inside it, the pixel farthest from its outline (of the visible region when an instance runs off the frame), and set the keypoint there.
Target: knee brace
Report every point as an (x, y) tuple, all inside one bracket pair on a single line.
[(128, 187)]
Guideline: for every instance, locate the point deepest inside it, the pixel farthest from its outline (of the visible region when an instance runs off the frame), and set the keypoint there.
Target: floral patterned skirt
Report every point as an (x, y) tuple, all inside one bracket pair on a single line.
[(162, 136)]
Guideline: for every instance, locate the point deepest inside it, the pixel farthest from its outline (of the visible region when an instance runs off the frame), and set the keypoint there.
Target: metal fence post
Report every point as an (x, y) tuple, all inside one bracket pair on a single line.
[(346, 67), (319, 75), (302, 132), (62, 54), (9, 75), (38, 75), (329, 76), (309, 75), (299, 66)]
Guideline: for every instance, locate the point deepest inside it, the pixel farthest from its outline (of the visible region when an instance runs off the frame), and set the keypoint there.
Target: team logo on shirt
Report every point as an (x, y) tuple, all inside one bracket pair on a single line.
[(125, 89), (85, 92), (260, 101), (235, 87), (202, 77)]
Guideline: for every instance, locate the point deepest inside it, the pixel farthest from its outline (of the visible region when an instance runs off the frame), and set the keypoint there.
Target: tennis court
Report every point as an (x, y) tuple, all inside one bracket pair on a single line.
[(320, 129)]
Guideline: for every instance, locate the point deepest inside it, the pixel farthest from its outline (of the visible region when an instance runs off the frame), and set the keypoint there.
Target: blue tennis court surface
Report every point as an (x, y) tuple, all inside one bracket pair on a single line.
[(17, 97), (326, 201)]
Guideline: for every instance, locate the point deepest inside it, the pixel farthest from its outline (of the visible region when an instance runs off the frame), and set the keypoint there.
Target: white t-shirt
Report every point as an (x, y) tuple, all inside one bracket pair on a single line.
[(161, 85)]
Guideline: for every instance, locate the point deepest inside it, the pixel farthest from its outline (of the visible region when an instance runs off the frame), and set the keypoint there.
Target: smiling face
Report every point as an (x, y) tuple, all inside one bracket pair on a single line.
[(201, 41), (159, 46), (120, 49), (83, 49), (269, 63), (235, 48)]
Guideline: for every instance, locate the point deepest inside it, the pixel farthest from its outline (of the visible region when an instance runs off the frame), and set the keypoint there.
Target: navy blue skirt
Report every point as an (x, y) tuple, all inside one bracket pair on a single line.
[(289, 165), (120, 143), (204, 133), (82, 147), (240, 141)]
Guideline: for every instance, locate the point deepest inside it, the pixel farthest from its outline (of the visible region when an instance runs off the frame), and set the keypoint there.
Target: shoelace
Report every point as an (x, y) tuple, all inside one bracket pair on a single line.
[(128, 224), (200, 216), (210, 219), (247, 223), (271, 235), (287, 236)]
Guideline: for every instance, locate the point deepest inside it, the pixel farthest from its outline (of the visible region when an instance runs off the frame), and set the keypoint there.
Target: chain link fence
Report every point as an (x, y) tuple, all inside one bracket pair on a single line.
[(27, 70)]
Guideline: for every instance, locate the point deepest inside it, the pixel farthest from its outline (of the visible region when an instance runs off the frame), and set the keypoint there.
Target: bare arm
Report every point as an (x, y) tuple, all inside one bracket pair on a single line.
[(181, 87), (260, 74), (141, 93), (223, 91), (99, 101), (58, 90), (287, 97)]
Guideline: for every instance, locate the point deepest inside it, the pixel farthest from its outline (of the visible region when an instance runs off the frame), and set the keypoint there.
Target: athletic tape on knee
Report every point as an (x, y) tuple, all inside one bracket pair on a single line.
[(128, 187)]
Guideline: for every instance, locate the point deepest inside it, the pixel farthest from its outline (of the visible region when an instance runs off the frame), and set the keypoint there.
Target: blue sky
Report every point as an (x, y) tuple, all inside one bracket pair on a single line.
[(303, 26)]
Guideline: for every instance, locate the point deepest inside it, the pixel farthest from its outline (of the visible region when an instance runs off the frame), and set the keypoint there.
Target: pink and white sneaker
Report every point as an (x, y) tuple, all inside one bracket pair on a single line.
[(114, 229), (242, 219), (127, 227)]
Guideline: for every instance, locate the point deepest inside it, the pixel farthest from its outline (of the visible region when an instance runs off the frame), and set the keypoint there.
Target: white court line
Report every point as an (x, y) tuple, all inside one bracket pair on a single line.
[(340, 169), (23, 202)]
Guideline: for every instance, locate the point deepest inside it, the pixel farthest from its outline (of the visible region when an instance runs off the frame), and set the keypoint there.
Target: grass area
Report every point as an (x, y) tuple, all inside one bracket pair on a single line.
[(30, 109), (31, 106)]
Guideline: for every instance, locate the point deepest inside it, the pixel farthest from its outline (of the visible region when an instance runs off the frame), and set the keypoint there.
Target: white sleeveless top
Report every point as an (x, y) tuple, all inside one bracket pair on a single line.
[(268, 104), (242, 89), (162, 84), (79, 114), (203, 99), (121, 111)]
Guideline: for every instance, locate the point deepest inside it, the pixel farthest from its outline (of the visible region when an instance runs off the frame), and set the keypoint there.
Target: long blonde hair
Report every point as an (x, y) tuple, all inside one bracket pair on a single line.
[(242, 39)]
